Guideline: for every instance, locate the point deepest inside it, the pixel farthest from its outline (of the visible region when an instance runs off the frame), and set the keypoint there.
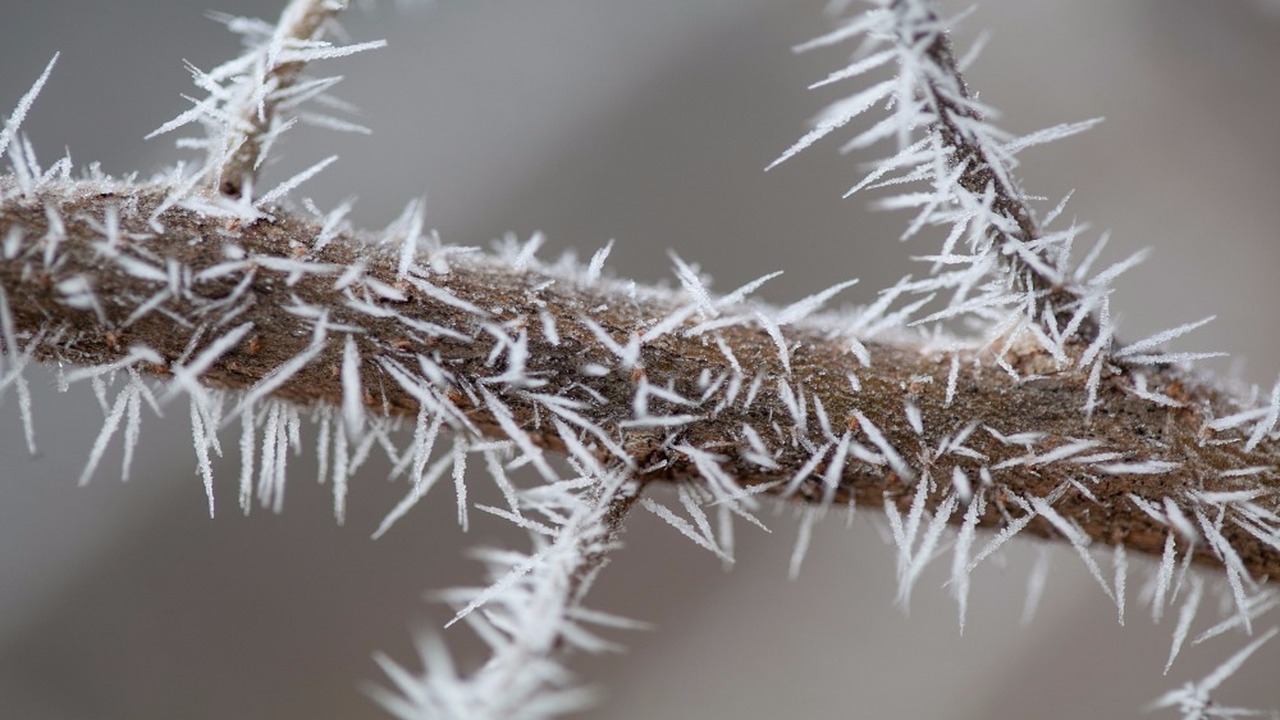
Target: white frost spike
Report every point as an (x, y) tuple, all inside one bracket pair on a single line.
[(1179, 521), (859, 351), (693, 285), (771, 327), (806, 470), (960, 573), (745, 289), (914, 419), (137, 354), (1050, 134), (679, 523), (904, 536), (691, 506), (200, 443), (1237, 574), (352, 394), (856, 68), (877, 438), (808, 518), (1164, 578), (1025, 439), (596, 266), (16, 365), (1035, 584), (795, 406), (287, 186), (12, 242), (524, 257), (410, 226), (19, 113), (1161, 338), (1149, 467), (435, 292), (628, 355), (803, 308), (324, 51), (1259, 604), (1002, 537), (185, 376), (1268, 421), (960, 481), (459, 481), (924, 553), (838, 115), (1185, 616), (532, 452), (667, 324), (247, 438), (133, 421), (1076, 537), (758, 452), (421, 484), (953, 376), (831, 478), (1237, 419), (109, 427), (876, 19), (1061, 452), (549, 329), (1121, 564), (272, 465)]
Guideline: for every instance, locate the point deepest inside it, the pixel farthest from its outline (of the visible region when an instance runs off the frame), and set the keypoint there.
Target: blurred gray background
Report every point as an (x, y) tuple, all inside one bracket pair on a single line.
[(648, 122)]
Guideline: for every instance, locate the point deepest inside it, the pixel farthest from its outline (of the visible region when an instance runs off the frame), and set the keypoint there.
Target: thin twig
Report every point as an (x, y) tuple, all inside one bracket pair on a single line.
[(302, 20), (951, 106)]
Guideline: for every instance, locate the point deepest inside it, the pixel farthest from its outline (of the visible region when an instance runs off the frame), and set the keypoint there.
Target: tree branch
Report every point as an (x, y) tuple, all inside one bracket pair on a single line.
[(301, 23), (533, 618), (677, 386), (985, 170)]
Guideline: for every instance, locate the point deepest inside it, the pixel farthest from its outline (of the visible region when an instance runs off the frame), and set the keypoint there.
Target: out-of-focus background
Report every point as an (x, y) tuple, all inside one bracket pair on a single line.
[(648, 122)]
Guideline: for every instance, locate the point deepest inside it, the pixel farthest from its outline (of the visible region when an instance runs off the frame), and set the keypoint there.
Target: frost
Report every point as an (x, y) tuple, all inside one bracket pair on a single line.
[(109, 427), (292, 183), (186, 376), (960, 569), (284, 373), (808, 518), (1185, 615), (1036, 581), (1079, 541), (1164, 578), (1193, 699), (1267, 422), (14, 122), (877, 438)]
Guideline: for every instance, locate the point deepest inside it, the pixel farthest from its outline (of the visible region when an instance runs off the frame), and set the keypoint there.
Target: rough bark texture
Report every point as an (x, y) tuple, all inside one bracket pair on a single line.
[(986, 397)]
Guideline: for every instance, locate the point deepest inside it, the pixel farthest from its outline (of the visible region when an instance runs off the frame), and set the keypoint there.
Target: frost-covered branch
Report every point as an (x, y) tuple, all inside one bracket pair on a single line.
[(946, 141), (532, 615), (675, 385), (254, 98)]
